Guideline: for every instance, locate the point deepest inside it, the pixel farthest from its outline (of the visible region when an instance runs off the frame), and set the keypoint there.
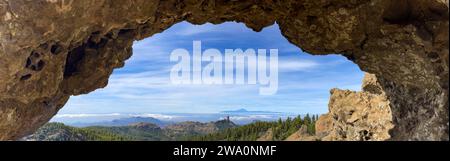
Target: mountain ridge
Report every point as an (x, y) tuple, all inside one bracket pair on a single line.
[(136, 131), (122, 122)]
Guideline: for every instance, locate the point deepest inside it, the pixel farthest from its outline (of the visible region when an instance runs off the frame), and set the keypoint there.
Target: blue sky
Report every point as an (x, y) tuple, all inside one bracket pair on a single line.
[(143, 85)]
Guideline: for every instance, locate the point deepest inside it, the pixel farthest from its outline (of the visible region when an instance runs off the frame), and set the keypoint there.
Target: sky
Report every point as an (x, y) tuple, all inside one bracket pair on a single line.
[(144, 86)]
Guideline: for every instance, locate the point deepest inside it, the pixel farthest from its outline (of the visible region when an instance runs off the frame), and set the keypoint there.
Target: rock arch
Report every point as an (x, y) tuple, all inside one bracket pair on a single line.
[(53, 49)]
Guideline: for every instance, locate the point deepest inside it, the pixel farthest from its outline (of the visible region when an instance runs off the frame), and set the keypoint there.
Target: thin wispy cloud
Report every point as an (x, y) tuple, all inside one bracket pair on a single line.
[(165, 117), (85, 115), (299, 65), (157, 116)]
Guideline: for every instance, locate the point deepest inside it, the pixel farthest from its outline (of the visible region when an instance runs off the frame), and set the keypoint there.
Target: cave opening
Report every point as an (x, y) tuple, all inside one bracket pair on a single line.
[(404, 46), (143, 88)]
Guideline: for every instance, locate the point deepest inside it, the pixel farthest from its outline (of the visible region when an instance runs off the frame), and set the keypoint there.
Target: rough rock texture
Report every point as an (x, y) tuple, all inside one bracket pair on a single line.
[(362, 116), (323, 126), (53, 49), (267, 136), (301, 135)]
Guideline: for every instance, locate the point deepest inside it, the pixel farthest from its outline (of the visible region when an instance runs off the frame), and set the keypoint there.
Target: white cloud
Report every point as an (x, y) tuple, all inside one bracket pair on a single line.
[(157, 116), (250, 117), (296, 65), (118, 115), (85, 115)]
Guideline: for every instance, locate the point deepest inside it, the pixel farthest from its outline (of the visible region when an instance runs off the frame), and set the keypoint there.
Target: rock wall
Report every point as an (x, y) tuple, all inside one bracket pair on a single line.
[(301, 135), (361, 116), (323, 126), (53, 49)]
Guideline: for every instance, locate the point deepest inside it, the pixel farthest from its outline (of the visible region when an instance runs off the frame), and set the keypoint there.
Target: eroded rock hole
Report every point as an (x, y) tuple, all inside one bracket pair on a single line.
[(365, 135), (56, 49), (399, 12), (73, 58), (34, 62), (311, 19), (25, 77)]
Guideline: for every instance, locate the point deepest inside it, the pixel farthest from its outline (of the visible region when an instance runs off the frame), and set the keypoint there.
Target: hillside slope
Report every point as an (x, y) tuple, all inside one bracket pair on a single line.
[(139, 131)]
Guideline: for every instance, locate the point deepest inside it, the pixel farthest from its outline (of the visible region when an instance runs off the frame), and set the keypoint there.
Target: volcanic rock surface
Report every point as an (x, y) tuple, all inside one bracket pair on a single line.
[(301, 135), (53, 49), (361, 116)]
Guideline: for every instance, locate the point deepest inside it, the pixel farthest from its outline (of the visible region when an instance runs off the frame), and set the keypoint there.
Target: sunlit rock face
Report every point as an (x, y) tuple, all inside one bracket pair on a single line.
[(53, 49), (323, 126), (361, 116)]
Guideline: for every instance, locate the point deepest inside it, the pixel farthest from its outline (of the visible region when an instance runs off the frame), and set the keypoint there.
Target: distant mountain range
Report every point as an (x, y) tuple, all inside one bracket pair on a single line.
[(245, 111), (291, 129), (240, 116), (139, 131), (123, 122)]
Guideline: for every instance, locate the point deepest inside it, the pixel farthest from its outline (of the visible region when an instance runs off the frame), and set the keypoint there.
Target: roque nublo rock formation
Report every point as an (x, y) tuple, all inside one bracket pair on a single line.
[(53, 49)]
